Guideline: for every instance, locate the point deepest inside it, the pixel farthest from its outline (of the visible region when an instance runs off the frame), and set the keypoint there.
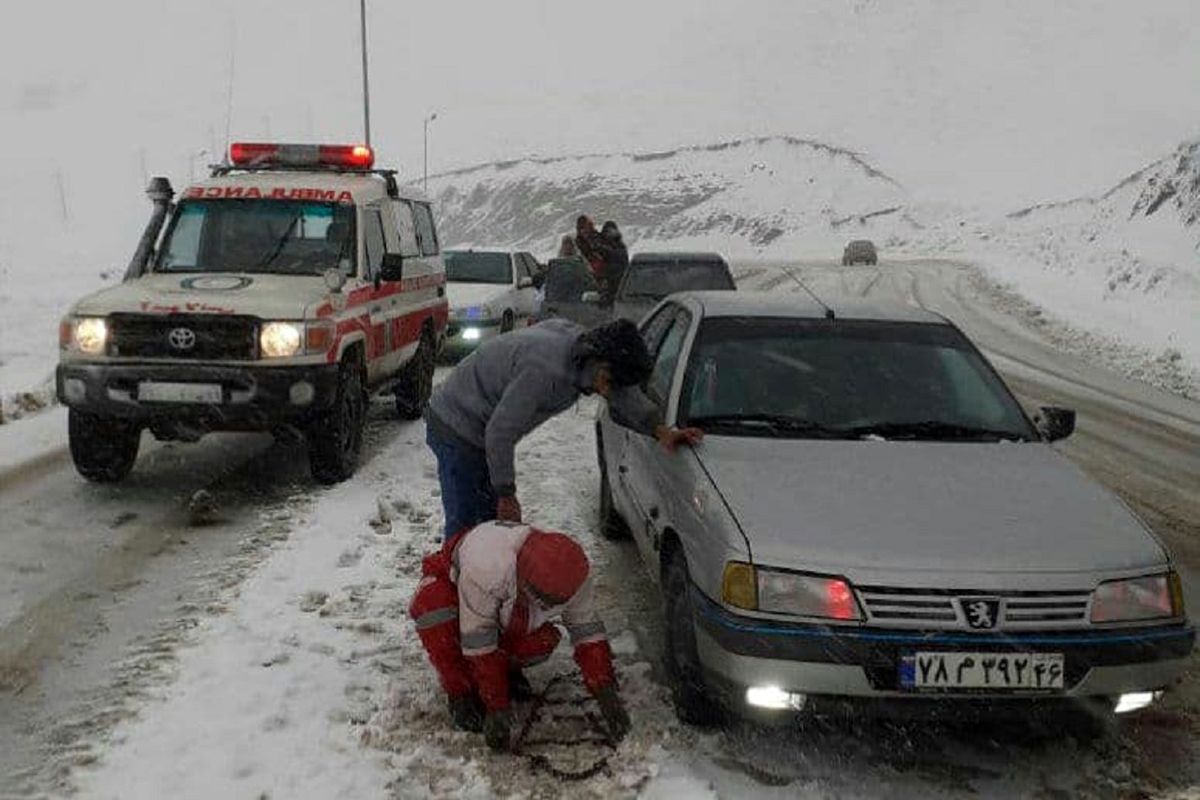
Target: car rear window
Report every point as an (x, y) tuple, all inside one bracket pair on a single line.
[(654, 280)]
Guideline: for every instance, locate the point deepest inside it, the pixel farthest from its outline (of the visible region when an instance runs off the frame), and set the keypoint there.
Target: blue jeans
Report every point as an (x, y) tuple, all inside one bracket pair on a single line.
[(467, 494)]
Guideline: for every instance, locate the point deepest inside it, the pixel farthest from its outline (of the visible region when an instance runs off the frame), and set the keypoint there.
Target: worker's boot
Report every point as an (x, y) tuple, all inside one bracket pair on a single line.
[(467, 712)]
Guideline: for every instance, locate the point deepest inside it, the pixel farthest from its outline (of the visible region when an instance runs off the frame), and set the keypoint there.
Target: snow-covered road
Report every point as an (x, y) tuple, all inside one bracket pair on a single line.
[(268, 654)]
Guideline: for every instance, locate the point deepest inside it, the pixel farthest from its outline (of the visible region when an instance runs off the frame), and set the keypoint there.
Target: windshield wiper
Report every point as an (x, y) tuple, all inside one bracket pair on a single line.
[(778, 423), (934, 430), (278, 248)]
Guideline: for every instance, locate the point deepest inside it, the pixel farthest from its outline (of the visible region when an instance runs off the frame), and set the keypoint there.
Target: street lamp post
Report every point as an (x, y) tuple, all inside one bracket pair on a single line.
[(425, 180), (362, 10)]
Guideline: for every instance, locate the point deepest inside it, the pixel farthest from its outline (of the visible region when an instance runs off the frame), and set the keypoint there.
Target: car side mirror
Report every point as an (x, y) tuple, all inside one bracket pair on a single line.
[(524, 282), (1055, 423), (591, 298), (392, 268)]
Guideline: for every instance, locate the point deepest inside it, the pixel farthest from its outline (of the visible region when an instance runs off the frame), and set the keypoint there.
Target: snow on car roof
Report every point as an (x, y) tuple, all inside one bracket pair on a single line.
[(801, 306)]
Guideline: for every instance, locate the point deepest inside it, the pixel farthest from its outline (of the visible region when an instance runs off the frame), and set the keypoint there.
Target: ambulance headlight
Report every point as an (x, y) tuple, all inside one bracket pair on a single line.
[(87, 335), (280, 339)]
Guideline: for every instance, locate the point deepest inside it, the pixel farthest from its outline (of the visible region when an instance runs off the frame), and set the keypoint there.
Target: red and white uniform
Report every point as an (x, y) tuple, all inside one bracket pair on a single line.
[(476, 620)]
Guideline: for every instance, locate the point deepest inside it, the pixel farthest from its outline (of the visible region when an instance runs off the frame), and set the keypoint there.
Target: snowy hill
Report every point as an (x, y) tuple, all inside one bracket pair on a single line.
[(745, 197), (1126, 261)]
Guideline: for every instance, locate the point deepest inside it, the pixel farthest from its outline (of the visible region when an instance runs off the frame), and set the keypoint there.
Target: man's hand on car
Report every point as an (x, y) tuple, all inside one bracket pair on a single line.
[(672, 438), (508, 509)]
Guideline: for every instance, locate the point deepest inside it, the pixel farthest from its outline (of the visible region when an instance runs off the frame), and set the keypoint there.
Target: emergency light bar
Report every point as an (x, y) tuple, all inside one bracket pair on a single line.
[(258, 155)]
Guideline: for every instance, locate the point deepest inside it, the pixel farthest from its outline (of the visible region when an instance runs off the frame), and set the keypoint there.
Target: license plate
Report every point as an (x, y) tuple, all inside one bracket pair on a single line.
[(161, 392), (995, 671)]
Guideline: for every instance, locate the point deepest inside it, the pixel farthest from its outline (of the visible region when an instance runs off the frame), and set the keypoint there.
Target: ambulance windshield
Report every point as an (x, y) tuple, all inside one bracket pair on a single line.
[(279, 236)]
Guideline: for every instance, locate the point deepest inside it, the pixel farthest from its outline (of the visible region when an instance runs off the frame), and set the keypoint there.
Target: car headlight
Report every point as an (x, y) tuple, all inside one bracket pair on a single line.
[(1151, 597), (783, 592), (88, 335), (280, 339)]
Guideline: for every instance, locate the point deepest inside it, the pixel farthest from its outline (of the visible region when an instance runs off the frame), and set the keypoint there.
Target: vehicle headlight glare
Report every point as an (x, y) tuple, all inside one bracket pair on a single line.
[(280, 339), (471, 334), (803, 595), (91, 335), (1151, 597)]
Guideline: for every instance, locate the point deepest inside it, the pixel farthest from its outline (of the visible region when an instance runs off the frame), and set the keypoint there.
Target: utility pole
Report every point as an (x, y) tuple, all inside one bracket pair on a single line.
[(425, 180), (362, 8)]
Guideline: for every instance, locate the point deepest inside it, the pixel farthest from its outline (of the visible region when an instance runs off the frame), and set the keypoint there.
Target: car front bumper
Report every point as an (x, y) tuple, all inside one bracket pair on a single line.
[(738, 652), (253, 398)]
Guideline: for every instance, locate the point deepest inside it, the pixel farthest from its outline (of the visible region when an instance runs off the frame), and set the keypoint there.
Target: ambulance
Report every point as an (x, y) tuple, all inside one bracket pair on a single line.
[(277, 296)]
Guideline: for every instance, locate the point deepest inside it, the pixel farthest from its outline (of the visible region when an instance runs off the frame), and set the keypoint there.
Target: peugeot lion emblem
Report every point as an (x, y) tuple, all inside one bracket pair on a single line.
[(982, 613), (182, 338)]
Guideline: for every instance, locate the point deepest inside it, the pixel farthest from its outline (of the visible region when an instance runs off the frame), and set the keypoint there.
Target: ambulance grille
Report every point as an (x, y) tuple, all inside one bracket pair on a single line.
[(213, 338)]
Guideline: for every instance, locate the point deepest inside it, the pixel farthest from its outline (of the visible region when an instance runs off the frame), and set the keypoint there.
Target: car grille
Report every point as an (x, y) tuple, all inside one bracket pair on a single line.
[(225, 338), (941, 609)]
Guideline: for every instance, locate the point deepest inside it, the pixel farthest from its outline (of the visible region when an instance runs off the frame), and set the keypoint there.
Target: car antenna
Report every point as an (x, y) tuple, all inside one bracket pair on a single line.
[(828, 311)]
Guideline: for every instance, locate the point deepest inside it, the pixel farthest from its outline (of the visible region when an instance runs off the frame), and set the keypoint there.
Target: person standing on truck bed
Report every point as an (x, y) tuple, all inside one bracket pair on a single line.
[(512, 384)]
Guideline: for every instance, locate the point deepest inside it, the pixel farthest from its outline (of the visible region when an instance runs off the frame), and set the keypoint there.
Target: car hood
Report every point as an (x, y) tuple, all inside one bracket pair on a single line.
[(874, 508), (265, 296), (464, 295)]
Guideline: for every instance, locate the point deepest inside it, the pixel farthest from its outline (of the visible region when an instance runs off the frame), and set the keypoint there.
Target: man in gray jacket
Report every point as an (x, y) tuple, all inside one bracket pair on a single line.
[(512, 384)]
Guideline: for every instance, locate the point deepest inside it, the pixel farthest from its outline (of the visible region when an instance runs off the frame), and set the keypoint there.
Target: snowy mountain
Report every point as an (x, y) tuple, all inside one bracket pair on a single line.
[(745, 197)]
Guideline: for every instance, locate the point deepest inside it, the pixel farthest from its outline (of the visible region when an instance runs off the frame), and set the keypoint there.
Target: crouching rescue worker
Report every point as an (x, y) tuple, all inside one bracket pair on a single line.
[(483, 611), (513, 383)]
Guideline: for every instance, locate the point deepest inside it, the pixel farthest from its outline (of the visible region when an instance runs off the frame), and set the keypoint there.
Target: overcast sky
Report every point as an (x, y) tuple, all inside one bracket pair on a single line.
[(999, 102)]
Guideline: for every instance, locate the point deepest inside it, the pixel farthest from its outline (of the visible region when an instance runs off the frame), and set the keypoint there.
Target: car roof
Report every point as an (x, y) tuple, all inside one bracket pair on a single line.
[(483, 250), (799, 305), (641, 258)]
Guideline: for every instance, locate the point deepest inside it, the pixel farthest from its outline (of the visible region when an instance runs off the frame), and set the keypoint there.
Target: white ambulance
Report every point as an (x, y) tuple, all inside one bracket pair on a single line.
[(275, 296)]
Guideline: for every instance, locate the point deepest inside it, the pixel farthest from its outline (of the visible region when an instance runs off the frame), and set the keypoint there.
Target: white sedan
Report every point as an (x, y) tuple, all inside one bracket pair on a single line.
[(490, 292)]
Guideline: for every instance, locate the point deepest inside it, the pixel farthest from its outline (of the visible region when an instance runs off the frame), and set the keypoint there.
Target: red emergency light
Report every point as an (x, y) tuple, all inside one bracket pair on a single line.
[(259, 155)]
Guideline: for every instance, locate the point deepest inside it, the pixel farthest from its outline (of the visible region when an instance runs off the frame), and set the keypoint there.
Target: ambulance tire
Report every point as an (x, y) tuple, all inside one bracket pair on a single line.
[(416, 380), (103, 450), (335, 440)]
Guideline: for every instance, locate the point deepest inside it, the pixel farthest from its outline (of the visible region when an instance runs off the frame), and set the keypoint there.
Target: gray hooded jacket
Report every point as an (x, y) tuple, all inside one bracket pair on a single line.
[(512, 384)]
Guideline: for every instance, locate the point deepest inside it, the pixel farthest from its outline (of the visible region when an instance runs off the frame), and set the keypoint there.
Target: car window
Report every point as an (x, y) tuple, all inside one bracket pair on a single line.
[(654, 280), (658, 387), (373, 242), (426, 233), (904, 379), (407, 227), (260, 236), (522, 266), (656, 326), (465, 266)]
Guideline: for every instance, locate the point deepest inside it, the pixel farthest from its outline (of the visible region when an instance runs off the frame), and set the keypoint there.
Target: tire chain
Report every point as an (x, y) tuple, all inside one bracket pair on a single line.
[(541, 763)]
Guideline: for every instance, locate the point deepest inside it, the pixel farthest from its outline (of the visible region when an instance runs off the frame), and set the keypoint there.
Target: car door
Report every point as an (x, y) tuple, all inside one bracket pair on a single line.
[(418, 290), (379, 333), (645, 486)]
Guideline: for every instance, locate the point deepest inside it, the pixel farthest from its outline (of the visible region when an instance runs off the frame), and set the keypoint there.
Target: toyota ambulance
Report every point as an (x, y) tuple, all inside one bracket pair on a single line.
[(275, 296)]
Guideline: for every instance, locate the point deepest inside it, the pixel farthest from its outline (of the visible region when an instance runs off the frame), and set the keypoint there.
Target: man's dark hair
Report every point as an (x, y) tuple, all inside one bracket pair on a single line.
[(582, 220), (620, 345)]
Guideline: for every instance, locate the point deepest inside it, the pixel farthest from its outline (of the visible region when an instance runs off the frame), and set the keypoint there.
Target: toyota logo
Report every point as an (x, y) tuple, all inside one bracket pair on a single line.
[(182, 338)]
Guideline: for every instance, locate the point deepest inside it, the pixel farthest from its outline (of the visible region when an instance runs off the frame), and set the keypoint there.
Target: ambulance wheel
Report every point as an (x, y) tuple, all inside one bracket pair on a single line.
[(416, 381), (103, 449), (335, 441)]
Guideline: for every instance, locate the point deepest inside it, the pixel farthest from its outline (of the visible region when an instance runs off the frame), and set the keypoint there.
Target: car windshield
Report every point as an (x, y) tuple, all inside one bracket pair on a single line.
[(466, 267), (281, 236), (655, 280), (846, 380)]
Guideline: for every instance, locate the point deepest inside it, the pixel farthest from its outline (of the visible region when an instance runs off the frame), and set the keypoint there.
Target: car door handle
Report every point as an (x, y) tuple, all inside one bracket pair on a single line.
[(622, 469), (654, 512)]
